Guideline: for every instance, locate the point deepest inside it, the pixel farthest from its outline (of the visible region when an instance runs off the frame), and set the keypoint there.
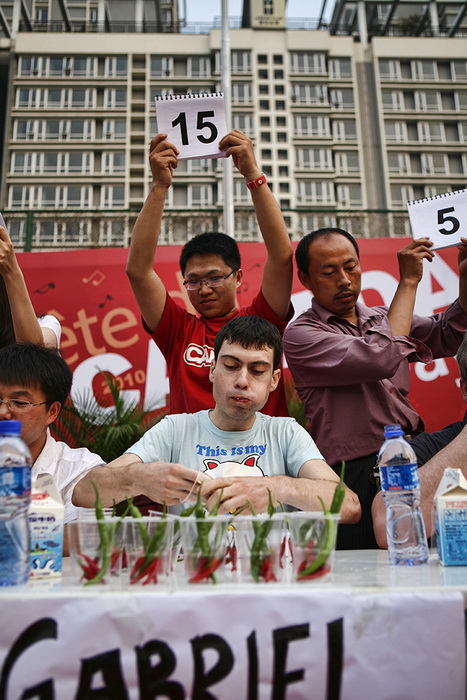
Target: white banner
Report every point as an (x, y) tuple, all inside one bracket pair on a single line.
[(262, 645)]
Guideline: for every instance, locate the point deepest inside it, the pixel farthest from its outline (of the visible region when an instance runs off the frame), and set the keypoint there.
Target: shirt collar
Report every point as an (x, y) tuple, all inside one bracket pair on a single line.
[(364, 313)]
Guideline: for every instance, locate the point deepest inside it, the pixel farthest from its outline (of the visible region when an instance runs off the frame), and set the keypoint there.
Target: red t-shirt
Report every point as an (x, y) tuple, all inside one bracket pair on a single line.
[(187, 343)]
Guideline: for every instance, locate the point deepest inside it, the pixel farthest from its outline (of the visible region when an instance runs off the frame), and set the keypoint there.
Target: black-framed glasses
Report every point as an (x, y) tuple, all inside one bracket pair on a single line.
[(193, 285), (19, 404)]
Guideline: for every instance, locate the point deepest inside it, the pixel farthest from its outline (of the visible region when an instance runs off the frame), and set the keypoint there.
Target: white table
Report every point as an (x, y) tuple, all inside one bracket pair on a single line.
[(368, 631)]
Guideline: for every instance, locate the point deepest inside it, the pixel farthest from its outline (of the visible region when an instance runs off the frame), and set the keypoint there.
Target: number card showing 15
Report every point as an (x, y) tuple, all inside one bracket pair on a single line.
[(443, 218), (193, 123)]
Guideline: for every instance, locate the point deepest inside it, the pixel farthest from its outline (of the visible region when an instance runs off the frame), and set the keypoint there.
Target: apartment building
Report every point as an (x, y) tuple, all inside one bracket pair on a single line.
[(351, 117)]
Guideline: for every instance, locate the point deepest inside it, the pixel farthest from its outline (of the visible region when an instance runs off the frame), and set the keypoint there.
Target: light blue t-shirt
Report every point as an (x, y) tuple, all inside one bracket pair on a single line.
[(272, 447)]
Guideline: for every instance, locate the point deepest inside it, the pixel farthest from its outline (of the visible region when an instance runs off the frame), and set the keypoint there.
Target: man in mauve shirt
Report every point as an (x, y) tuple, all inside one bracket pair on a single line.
[(350, 362), (211, 267)]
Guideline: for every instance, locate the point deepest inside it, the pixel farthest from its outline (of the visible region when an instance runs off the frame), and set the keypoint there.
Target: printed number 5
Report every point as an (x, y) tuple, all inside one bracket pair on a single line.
[(443, 217), (201, 124)]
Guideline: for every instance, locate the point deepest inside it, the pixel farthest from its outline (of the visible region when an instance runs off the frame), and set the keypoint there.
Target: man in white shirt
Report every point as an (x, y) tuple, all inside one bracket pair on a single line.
[(34, 384)]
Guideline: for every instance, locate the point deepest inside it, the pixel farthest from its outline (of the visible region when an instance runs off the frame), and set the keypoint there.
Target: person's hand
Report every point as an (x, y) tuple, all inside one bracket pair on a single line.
[(462, 257), (8, 261), (168, 482), (163, 160), (240, 147), (411, 259), (237, 492)]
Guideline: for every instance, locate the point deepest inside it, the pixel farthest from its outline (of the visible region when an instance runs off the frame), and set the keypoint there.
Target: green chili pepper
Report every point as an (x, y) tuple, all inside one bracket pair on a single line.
[(259, 549), (330, 529), (105, 540)]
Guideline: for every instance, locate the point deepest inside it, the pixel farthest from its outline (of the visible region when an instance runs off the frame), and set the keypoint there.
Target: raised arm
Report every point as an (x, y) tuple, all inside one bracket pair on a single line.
[(462, 263), (128, 476), (410, 260), (316, 478), (278, 270), (430, 474), (150, 293), (25, 324)]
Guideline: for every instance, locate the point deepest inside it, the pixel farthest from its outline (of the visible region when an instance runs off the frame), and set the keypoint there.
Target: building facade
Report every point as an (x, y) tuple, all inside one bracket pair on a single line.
[(350, 119)]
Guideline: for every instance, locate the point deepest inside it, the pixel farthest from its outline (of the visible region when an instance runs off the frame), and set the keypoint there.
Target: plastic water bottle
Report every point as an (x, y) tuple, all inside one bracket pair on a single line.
[(15, 497), (405, 529)]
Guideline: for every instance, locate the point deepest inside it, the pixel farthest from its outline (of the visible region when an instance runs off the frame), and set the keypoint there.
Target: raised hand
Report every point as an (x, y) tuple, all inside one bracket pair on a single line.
[(411, 259), (240, 147), (163, 160)]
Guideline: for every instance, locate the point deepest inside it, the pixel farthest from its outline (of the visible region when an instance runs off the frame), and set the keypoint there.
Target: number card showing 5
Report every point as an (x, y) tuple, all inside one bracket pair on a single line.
[(443, 218), (193, 123)]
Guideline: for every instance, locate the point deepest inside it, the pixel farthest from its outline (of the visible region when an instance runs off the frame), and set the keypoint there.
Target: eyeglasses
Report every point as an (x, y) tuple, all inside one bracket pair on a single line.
[(19, 405), (211, 282)]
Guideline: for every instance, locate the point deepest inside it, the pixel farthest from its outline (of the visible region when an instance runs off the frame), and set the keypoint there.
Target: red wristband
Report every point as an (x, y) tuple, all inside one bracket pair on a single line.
[(257, 183)]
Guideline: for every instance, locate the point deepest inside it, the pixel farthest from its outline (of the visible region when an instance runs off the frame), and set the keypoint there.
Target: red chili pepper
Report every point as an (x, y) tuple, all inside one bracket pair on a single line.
[(266, 570), (231, 556), (205, 568), (90, 567), (316, 574), (282, 551), (144, 570)]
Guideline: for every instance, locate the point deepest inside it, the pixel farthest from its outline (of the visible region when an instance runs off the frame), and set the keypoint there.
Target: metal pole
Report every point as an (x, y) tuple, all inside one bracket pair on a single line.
[(226, 89)]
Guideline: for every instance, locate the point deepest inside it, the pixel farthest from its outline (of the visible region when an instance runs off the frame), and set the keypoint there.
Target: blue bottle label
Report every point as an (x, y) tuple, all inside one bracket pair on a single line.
[(400, 477), (15, 481)]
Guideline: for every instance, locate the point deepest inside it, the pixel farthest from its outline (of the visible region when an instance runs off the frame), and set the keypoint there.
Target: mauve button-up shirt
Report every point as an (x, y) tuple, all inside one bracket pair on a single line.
[(354, 380)]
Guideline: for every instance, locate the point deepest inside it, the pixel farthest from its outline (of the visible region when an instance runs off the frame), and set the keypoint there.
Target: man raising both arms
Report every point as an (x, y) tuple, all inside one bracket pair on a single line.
[(211, 267)]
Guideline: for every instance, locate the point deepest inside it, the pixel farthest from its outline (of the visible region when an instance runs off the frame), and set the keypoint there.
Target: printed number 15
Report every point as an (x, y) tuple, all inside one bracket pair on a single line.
[(200, 125), (443, 218)]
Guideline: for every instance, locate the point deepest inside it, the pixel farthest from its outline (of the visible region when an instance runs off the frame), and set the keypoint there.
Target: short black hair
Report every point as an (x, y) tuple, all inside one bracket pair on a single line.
[(213, 243), (29, 365), (302, 253), (251, 332), (461, 357)]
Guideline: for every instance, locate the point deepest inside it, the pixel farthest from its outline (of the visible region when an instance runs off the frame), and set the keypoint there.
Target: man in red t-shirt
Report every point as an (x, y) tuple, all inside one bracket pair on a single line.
[(210, 265)]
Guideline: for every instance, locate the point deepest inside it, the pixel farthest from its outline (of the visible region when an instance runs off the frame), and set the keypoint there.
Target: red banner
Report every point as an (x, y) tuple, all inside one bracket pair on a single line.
[(87, 290)]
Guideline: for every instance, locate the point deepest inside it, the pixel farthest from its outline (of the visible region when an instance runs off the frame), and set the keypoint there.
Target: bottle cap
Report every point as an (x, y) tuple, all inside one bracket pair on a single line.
[(391, 431), (10, 427)]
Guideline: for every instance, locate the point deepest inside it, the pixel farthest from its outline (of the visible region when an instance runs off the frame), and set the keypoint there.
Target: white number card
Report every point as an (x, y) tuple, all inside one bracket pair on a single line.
[(443, 218), (194, 123)]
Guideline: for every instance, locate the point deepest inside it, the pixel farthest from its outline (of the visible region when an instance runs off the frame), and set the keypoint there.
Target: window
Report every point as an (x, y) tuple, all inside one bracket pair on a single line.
[(389, 69), (244, 122), (280, 105), (399, 163), (425, 101), (240, 61), (26, 129), (278, 59), (264, 89), (460, 99), (114, 129), (30, 65), (459, 70), (264, 104), (308, 94), (113, 162), (313, 158), (50, 162), (26, 97), (424, 70), (265, 136), (395, 131), (306, 125), (115, 97), (112, 196), (262, 59), (401, 194), (282, 154), (393, 100), (241, 194), (344, 130), (161, 66), (342, 99), (278, 75), (279, 89), (431, 131), (340, 68), (281, 121), (199, 67), (199, 195), (307, 62), (433, 163), (22, 163), (265, 121), (263, 74), (116, 66), (242, 93), (347, 162), (349, 195), (314, 192), (283, 171)]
